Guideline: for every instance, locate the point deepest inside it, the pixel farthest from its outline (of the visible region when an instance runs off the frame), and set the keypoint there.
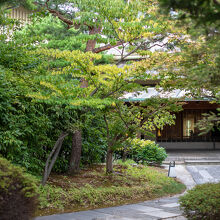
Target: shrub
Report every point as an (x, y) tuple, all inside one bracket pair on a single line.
[(18, 198), (202, 202), (146, 151)]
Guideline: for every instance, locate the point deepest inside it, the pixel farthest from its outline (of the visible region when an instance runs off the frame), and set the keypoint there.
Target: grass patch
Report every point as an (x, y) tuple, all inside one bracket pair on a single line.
[(92, 188)]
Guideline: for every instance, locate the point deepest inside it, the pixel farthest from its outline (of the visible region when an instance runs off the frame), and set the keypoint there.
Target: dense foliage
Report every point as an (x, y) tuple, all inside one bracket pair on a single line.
[(202, 202), (197, 66), (28, 128), (50, 88), (203, 11), (146, 152), (18, 193)]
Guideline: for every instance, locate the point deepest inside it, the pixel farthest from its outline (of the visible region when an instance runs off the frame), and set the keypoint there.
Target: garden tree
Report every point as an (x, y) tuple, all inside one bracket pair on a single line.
[(29, 128), (49, 32), (111, 22), (126, 121), (106, 83), (97, 20)]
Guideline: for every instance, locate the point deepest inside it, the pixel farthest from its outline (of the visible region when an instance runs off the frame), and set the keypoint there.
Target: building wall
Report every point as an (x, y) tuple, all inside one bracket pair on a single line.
[(190, 145), (176, 137), (20, 14)]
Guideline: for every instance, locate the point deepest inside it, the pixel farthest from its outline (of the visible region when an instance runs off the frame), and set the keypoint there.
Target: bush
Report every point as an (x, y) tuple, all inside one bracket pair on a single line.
[(146, 151), (202, 202), (18, 197)]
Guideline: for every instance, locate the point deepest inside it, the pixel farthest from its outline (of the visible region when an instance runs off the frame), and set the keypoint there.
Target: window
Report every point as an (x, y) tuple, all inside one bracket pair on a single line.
[(188, 125)]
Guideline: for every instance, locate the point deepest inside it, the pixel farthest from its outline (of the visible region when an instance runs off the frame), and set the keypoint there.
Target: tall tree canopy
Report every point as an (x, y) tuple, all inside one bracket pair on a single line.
[(198, 64), (8, 4), (69, 86), (202, 11)]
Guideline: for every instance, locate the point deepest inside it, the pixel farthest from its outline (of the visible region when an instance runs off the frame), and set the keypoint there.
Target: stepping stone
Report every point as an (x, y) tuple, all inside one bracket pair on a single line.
[(162, 214), (171, 205)]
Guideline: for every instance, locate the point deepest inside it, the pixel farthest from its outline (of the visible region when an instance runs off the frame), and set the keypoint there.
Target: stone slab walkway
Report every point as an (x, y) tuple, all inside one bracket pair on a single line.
[(165, 208), (205, 174)]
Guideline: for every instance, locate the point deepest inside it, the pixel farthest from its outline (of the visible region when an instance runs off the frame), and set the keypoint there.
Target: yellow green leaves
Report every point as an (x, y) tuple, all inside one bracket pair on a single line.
[(63, 85), (50, 86), (75, 55)]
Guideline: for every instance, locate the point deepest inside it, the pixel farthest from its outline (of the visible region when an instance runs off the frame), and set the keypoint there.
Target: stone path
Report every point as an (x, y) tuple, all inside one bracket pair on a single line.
[(165, 208), (205, 174)]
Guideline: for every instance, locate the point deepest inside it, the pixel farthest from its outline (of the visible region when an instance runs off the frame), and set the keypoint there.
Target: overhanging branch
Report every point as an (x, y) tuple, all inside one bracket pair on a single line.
[(106, 47)]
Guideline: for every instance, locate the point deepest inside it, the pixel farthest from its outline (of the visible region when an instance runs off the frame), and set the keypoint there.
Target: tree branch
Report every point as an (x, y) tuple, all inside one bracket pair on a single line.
[(53, 156), (120, 115), (111, 93), (94, 91), (106, 47), (138, 47), (62, 17), (107, 127), (129, 53)]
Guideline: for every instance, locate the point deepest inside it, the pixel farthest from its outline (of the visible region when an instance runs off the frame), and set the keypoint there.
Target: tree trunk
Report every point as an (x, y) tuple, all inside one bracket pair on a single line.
[(52, 157), (91, 43), (109, 159), (74, 166), (124, 156)]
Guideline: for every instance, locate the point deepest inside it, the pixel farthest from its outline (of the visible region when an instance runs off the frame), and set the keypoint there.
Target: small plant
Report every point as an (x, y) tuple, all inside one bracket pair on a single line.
[(18, 197), (125, 163), (146, 151), (202, 202)]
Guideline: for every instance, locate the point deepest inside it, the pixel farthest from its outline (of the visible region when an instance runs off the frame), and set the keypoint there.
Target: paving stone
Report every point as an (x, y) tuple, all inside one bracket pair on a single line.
[(53, 217), (175, 210), (171, 205), (162, 214), (84, 215), (176, 218), (205, 174), (126, 212), (113, 218), (143, 208)]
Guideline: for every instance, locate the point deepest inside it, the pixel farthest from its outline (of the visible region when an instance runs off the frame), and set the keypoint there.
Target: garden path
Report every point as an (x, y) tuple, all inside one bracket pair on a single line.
[(163, 208)]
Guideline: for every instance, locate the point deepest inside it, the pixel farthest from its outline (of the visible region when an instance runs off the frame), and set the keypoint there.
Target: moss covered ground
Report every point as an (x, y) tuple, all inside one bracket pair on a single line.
[(92, 188)]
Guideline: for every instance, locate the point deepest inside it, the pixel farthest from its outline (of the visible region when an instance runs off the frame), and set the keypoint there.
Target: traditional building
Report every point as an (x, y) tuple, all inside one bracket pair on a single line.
[(18, 13), (183, 134), (21, 14)]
